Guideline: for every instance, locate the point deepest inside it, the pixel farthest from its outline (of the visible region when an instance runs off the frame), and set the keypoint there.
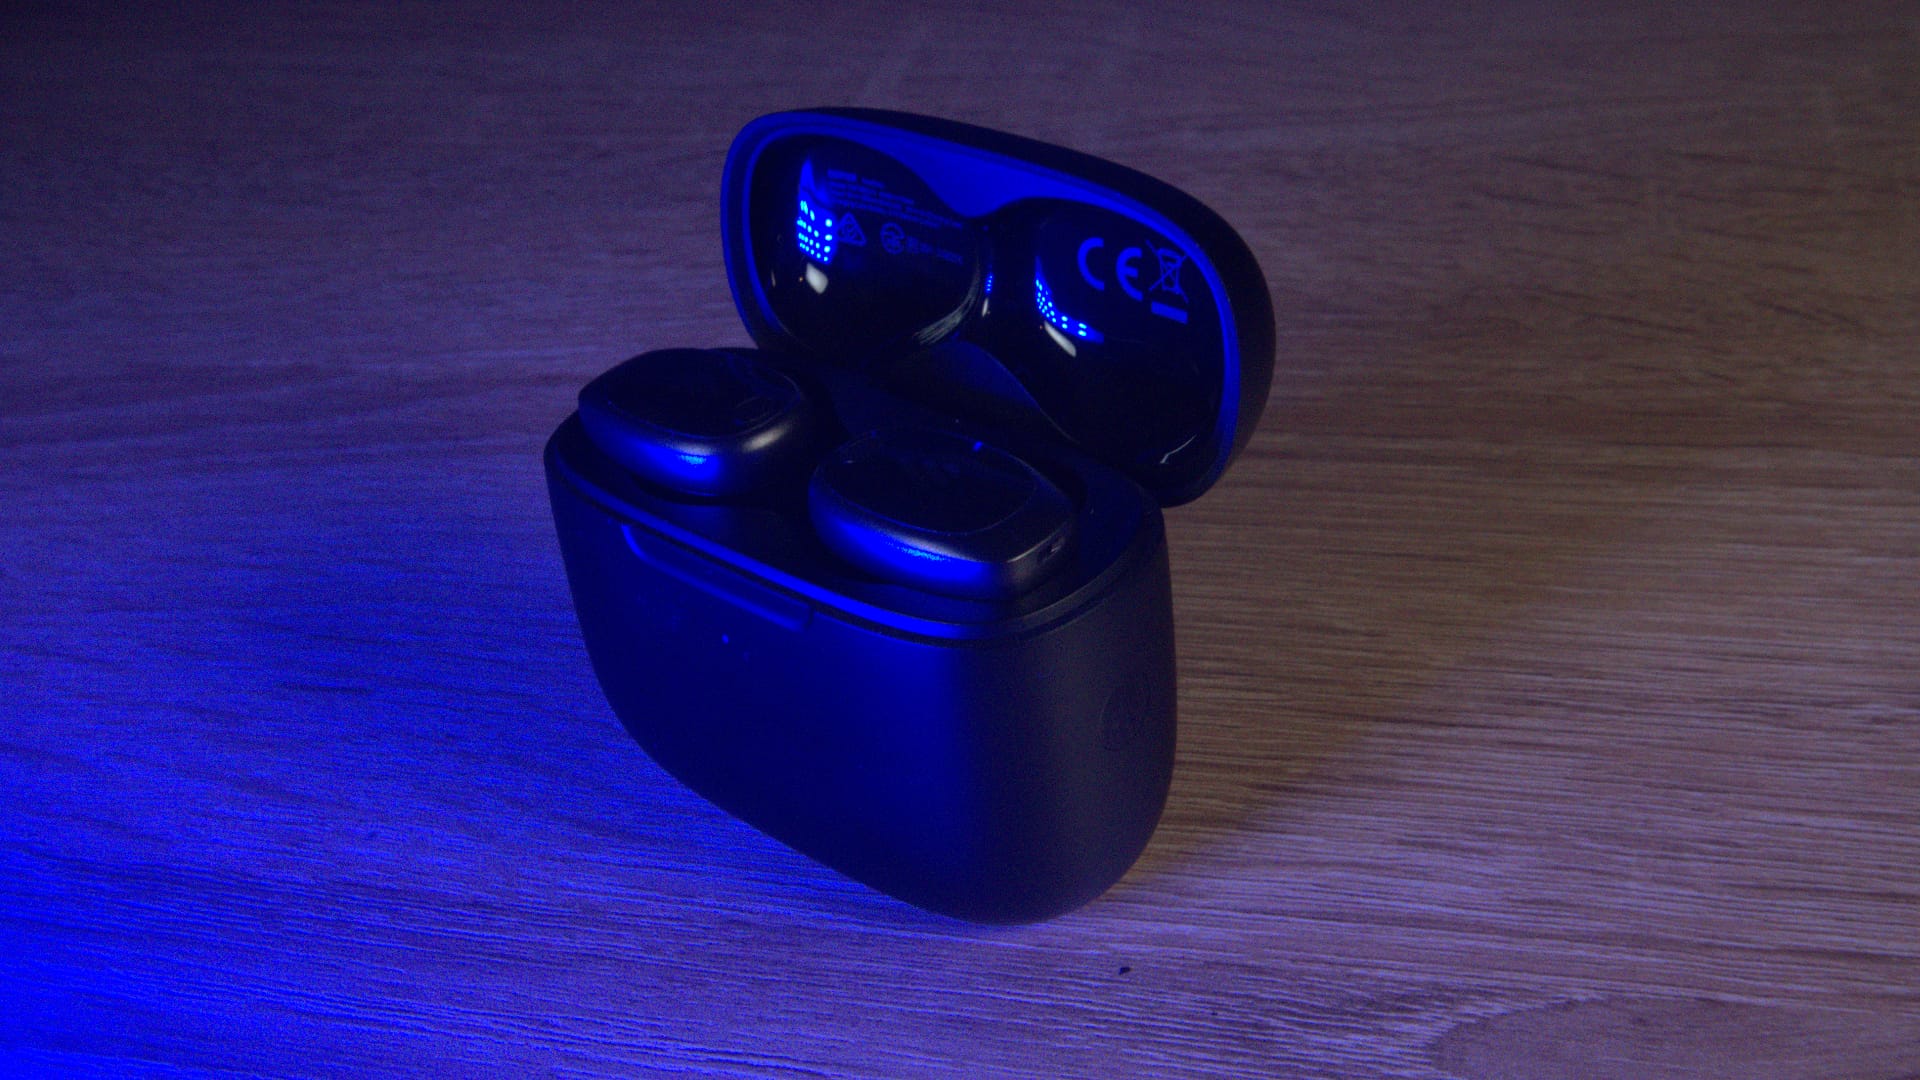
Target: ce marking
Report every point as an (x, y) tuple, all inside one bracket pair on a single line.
[(1126, 271)]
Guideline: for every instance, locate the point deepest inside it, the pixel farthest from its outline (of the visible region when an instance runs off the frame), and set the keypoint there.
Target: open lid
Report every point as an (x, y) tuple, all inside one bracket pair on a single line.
[(1003, 280)]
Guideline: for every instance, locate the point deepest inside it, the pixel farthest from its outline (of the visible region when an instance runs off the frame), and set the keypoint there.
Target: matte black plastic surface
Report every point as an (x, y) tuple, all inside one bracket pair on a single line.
[(1008, 777), (894, 589)]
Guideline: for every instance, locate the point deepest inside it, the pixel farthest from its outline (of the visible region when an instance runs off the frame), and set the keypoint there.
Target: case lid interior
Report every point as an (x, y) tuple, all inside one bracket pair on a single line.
[(1005, 281)]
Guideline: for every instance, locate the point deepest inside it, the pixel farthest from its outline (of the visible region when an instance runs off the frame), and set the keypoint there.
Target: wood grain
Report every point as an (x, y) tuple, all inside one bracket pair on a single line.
[(1550, 662)]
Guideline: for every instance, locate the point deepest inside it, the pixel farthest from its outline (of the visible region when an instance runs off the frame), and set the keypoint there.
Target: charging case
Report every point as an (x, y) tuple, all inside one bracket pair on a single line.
[(1000, 759)]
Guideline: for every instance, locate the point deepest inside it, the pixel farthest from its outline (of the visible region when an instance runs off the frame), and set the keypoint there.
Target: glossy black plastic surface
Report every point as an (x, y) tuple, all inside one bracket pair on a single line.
[(1118, 312), (705, 422), (941, 511)]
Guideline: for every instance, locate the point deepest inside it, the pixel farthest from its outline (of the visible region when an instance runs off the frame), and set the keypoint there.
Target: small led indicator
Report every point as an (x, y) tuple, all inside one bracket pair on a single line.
[(1043, 299), (814, 238)]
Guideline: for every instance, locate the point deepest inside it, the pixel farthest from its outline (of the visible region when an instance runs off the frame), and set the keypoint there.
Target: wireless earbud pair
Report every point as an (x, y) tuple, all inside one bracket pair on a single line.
[(916, 506)]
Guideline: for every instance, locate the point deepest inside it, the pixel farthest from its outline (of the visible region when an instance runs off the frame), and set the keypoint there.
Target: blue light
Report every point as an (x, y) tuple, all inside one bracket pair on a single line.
[(1043, 299), (814, 236), (917, 562)]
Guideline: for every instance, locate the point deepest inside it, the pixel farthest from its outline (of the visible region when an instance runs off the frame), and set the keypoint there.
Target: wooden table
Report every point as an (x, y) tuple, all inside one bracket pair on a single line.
[(1550, 662)]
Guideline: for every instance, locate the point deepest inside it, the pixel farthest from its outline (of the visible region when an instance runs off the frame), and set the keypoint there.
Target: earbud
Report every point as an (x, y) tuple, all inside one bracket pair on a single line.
[(920, 507), (941, 512), (712, 422)]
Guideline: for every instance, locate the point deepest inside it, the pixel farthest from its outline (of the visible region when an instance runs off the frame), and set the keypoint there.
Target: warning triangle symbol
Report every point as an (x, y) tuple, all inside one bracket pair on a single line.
[(850, 234)]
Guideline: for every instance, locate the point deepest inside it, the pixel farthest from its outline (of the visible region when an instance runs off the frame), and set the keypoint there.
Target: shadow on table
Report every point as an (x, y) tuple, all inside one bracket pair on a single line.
[(1393, 518)]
